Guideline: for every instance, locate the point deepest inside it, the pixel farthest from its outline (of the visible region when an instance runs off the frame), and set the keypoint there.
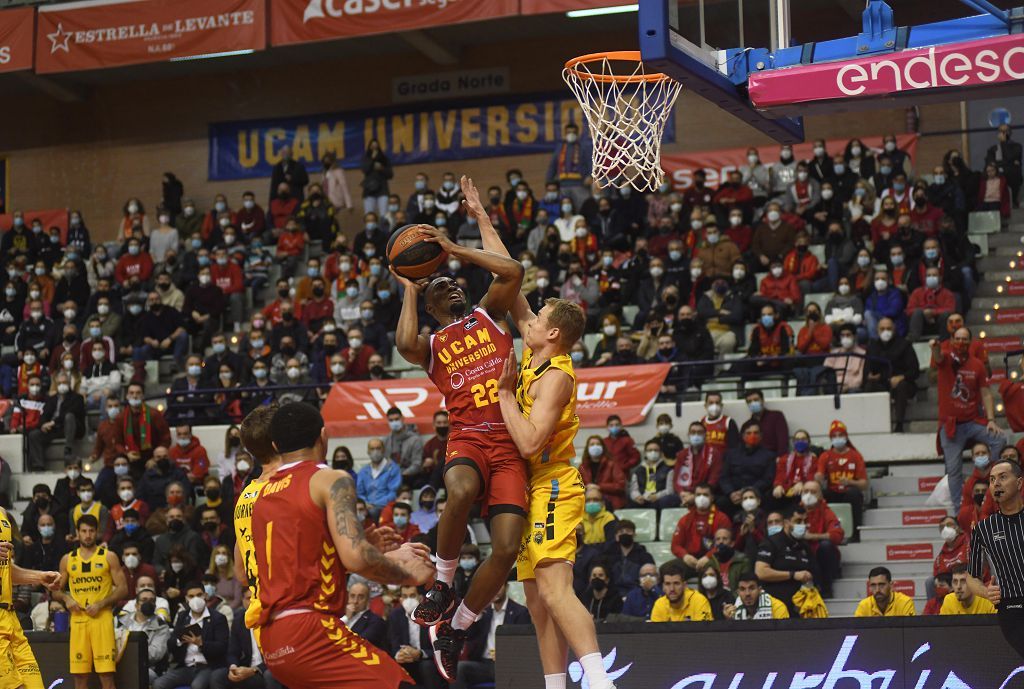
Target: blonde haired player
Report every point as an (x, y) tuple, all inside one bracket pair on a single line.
[(539, 408), (18, 666)]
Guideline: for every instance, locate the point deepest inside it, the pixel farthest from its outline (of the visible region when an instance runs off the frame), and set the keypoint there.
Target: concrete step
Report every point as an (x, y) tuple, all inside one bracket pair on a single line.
[(986, 304), (1013, 237), (903, 517), (998, 262), (922, 469), (900, 570), (845, 607), (890, 534), (897, 500), (904, 485), (912, 586), (882, 552)]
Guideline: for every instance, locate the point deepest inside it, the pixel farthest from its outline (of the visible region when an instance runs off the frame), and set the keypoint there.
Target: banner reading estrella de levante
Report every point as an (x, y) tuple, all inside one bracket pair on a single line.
[(354, 409), (409, 135), (80, 36), (302, 21)]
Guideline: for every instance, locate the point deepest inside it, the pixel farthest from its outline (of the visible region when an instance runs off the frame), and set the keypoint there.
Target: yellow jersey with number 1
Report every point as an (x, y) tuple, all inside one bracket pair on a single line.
[(560, 448), (246, 548)]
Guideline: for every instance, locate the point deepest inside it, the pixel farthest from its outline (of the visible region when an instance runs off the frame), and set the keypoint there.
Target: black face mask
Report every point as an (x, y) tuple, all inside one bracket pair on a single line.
[(332, 349), (164, 465), (342, 464), (42, 503), (626, 540), (598, 585), (814, 316), (234, 441), (288, 316), (213, 493), (427, 505), (283, 293), (724, 552), (175, 525), (148, 608), (376, 370), (979, 498), (443, 431), (318, 291), (209, 526), (288, 351)]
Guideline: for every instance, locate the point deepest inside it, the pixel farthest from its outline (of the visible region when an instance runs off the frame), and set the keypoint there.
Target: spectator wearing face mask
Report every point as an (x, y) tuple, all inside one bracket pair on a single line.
[(773, 238), (841, 470), (189, 454), (599, 525), (783, 561), (814, 338), (160, 473), (824, 535), (722, 311), (929, 306), (179, 535), (425, 518), (144, 619), (847, 371), (884, 301), (435, 449), (44, 553), (697, 464), (771, 339), (954, 550), (981, 459), (598, 467), (694, 537), (404, 446), (899, 378), (619, 444), (650, 483), (125, 500), (640, 600), (36, 332), (378, 481), (623, 557), (87, 504), (134, 539), (749, 523), (750, 465), (845, 306), (794, 469), (942, 586)]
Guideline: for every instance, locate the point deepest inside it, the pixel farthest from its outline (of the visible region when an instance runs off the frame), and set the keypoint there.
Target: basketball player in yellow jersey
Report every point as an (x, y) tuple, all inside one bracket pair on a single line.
[(255, 432), (538, 403), (18, 666), (95, 582)]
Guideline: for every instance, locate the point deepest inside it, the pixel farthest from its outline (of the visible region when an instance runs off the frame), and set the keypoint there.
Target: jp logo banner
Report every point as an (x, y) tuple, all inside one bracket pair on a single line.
[(246, 149)]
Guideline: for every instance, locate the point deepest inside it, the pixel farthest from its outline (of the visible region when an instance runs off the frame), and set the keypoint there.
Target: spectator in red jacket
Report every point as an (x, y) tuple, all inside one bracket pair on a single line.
[(696, 464), (971, 508), (841, 470), (282, 208), (954, 551), (405, 529), (357, 356), (824, 536), (733, 195), (190, 455), (694, 537), (929, 306), (815, 337), (779, 289), (227, 275), (802, 264), (251, 219), (925, 217), (993, 192), (599, 468), (318, 308), (134, 268), (943, 587), (794, 469), (773, 424), (620, 445), (738, 231), (290, 246)]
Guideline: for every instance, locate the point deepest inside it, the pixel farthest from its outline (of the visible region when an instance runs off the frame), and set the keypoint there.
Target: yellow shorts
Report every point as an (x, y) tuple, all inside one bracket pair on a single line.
[(18, 664), (93, 647), (556, 500)]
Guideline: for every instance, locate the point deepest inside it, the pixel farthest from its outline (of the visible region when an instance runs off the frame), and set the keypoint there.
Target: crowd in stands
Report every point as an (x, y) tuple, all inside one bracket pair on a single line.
[(258, 303)]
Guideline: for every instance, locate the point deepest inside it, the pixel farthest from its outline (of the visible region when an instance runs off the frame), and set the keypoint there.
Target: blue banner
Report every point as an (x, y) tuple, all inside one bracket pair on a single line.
[(458, 131)]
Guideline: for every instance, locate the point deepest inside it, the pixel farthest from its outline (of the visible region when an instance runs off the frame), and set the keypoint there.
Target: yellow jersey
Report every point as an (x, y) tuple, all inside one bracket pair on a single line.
[(978, 606), (6, 576), (901, 605), (77, 513), (246, 549), (560, 447), (89, 578), (695, 607)]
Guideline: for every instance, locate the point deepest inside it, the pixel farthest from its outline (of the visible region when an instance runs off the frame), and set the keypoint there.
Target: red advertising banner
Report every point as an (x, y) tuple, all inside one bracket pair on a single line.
[(354, 409), (1011, 289), (959, 66), (16, 34), (904, 586), (926, 484), (923, 517), (1009, 316), (717, 164), (126, 32), (1004, 343), (555, 6), (302, 21), (910, 551)]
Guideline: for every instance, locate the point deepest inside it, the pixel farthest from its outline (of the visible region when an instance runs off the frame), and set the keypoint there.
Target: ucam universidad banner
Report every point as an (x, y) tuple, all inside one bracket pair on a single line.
[(302, 21), (478, 128), (93, 35), (360, 408), (16, 34)]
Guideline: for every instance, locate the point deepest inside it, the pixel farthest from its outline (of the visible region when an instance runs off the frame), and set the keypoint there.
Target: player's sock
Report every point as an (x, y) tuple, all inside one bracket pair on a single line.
[(464, 618), (593, 666), (554, 681), (446, 570)]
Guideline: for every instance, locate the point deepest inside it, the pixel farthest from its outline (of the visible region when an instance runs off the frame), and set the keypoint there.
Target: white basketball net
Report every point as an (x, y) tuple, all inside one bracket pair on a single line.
[(626, 115)]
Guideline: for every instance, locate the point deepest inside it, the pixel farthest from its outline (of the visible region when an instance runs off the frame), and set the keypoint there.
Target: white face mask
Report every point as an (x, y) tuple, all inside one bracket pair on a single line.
[(293, 372), (131, 561), (702, 502), (609, 330), (542, 283), (777, 272), (652, 456), (410, 605), (68, 364), (126, 495), (885, 335), (709, 582), (773, 216), (196, 605), (63, 388), (664, 429), (595, 450), (844, 289), (749, 504), (221, 560), (826, 194), (177, 567), (33, 390), (799, 531), (735, 220), (880, 285), (846, 342), (85, 496), (948, 533), (714, 410), (243, 467)]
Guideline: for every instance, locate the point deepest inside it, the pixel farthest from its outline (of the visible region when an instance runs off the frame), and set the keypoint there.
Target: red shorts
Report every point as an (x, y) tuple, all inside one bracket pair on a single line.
[(312, 650), (502, 471)]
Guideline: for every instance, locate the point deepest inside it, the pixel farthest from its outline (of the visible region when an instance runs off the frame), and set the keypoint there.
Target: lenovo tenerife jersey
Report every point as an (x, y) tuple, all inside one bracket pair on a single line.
[(466, 358)]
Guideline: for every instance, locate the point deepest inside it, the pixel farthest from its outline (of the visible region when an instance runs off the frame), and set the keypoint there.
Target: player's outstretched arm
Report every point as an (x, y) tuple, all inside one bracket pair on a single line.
[(409, 564), (550, 395), (520, 310), (413, 347)]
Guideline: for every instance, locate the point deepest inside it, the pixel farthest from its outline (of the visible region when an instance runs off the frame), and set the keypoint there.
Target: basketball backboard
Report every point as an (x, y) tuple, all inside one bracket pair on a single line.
[(738, 54)]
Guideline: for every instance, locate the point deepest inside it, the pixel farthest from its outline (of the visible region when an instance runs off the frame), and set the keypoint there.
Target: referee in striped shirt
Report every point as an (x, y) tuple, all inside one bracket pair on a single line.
[(1000, 539)]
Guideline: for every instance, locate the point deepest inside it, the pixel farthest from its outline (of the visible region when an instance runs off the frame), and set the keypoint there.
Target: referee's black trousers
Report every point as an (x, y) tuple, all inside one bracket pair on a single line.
[(1011, 621)]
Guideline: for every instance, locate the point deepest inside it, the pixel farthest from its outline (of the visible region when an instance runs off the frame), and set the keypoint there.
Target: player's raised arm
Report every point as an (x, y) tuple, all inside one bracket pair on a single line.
[(413, 347), (551, 393), (520, 308), (409, 564)]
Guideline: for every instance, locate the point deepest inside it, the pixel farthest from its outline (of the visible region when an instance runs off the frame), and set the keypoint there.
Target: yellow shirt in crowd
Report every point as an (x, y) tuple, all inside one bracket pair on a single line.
[(901, 605), (695, 607), (978, 606)]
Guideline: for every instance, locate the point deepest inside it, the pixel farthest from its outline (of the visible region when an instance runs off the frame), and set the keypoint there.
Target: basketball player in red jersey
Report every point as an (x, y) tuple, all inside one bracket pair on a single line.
[(307, 537), (720, 430), (464, 358)]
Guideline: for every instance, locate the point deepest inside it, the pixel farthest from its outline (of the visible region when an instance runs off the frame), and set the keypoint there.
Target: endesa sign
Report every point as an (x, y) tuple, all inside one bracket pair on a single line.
[(987, 62), (95, 35), (360, 408), (16, 39), (951, 652)]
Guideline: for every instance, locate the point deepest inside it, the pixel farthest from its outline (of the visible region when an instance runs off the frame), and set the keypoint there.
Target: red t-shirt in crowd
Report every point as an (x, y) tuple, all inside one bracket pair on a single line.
[(960, 384), (695, 533), (837, 465)]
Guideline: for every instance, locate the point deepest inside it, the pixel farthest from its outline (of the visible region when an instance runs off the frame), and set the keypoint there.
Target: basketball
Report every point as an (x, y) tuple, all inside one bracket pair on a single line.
[(412, 257)]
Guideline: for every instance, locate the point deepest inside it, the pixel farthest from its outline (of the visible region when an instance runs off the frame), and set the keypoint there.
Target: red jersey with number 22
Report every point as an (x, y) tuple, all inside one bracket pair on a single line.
[(466, 358)]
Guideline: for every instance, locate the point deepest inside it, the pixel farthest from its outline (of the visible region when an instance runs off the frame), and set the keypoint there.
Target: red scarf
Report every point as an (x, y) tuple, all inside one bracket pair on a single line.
[(25, 372), (144, 429)]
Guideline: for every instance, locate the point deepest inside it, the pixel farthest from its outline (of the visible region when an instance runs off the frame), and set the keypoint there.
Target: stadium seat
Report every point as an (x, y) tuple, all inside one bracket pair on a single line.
[(845, 515), (516, 592), (667, 523), (629, 312), (661, 552), (646, 521), (483, 536), (984, 222)]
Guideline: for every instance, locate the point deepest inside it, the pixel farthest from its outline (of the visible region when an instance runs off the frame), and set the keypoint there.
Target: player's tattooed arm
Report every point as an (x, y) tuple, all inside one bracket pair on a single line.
[(357, 553)]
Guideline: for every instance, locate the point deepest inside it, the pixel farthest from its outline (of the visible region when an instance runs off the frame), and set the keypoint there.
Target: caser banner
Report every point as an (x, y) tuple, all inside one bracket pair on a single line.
[(302, 21), (16, 33), (360, 408), (963, 66), (109, 34), (953, 652), (717, 164)]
